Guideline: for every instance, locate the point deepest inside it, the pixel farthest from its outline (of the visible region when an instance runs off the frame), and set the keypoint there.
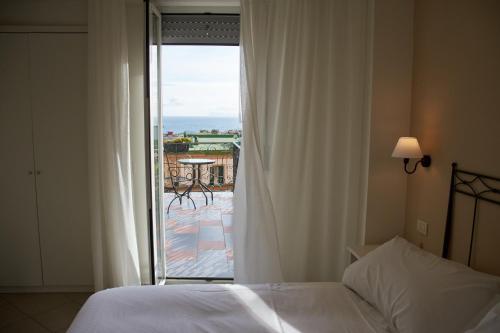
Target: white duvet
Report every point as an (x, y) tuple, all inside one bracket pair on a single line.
[(290, 308)]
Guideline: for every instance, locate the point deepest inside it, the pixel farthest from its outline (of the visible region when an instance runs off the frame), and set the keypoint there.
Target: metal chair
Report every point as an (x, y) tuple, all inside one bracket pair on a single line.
[(215, 179), (175, 178)]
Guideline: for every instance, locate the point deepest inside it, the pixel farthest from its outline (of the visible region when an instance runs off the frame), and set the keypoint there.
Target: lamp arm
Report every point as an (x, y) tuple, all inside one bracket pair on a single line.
[(406, 161)]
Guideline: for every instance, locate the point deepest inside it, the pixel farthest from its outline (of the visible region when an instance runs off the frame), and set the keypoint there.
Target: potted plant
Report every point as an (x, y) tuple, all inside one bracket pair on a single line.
[(178, 145)]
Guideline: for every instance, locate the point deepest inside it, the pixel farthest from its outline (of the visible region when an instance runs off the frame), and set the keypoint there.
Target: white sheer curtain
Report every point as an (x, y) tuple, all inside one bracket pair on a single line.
[(114, 240), (300, 195)]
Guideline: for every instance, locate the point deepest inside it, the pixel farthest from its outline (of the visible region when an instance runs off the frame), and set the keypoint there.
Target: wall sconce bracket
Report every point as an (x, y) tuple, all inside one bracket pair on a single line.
[(425, 161)]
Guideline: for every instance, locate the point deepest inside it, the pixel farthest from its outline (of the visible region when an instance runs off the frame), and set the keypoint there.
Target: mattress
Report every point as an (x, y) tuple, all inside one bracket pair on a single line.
[(290, 308)]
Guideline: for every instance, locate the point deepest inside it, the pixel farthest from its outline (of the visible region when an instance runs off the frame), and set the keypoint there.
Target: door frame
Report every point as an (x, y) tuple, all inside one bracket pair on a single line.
[(149, 10)]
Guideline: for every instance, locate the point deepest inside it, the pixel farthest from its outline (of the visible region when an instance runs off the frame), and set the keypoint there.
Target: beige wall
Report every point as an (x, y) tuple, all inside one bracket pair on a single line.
[(390, 117), (43, 12), (453, 49), (455, 111)]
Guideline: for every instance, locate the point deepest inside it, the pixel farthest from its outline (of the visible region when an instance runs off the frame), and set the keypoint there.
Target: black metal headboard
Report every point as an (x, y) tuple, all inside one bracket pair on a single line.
[(480, 188)]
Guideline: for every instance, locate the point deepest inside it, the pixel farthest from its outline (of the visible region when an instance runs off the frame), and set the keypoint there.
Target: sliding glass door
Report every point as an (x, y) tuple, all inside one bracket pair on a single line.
[(156, 143)]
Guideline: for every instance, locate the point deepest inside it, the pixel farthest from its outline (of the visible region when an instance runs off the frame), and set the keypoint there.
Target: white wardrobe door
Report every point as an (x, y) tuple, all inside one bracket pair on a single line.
[(19, 243), (59, 85)]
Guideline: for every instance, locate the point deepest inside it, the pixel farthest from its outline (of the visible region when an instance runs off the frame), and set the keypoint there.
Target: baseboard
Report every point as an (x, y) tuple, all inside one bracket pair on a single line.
[(47, 289)]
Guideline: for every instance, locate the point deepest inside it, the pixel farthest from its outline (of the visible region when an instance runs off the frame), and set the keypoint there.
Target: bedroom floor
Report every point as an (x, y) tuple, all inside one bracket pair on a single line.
[(39, 312), (199, 242)]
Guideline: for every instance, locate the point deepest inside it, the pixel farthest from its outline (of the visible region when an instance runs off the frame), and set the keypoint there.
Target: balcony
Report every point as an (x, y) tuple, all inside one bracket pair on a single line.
[(198, 240)]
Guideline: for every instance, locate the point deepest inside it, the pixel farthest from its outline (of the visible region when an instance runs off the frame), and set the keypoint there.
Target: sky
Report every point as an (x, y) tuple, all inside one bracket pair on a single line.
[(200, 80)]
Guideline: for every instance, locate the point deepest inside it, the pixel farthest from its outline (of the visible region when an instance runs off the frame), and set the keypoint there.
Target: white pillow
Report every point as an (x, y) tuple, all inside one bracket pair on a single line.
[(490, 323), (482, 314), (418, 292)]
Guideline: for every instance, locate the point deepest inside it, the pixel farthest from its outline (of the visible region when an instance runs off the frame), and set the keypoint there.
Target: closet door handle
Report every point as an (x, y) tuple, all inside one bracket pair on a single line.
[(30, 172), (38, 172)]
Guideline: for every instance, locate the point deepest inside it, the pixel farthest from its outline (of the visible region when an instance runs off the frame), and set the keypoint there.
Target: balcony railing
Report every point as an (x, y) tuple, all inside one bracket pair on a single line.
[(219, 176)]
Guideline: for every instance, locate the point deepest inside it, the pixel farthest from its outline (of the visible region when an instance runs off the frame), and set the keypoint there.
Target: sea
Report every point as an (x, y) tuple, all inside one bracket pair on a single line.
[(195, 124)]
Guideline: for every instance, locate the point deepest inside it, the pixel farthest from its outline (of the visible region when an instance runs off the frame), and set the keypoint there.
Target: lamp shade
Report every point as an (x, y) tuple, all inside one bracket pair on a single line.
[(407, 147)]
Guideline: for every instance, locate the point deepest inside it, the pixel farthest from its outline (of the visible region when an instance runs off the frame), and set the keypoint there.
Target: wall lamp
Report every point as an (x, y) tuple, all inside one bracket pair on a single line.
[(408, 147)]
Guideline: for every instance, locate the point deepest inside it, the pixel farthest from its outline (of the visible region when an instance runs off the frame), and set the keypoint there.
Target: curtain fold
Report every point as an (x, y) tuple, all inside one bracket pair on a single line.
[(114, 239), (299, 196)]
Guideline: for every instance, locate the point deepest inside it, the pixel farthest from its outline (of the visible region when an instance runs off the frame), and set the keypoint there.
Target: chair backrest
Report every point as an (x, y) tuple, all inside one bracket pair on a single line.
[(171, 177), (171, 162), (174, 171), (217, 170)]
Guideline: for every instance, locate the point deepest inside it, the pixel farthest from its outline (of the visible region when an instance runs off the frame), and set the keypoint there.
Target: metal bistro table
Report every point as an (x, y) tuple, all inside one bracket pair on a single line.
[(196, 164)]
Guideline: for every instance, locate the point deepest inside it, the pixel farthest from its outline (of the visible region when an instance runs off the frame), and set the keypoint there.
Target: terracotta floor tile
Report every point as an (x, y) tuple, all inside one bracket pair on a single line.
[(34, 303), (212, 233), (181, 255), (9, 314), (206, 223), (78, 298), (59, 318), (187, 229), (211, 245), (25, 325), (196, 241), (230, 254)]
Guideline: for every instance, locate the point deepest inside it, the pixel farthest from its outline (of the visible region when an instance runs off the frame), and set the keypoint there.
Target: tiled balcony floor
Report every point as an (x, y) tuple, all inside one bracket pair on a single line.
[(199, 242)]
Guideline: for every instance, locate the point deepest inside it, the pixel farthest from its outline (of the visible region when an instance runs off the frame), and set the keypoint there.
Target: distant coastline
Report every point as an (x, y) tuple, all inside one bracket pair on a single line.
[(195, 124)]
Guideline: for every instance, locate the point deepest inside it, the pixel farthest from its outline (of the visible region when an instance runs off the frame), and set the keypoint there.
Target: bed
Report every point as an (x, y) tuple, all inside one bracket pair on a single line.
[(303, 307), (396, 288)]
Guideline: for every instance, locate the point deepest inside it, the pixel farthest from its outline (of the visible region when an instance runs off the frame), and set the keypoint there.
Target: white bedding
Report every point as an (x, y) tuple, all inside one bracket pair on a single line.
[(290, 308), (418, 292)]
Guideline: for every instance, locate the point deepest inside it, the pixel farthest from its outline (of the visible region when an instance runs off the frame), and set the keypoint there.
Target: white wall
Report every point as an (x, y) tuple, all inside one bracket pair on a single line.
[(390, 117)]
